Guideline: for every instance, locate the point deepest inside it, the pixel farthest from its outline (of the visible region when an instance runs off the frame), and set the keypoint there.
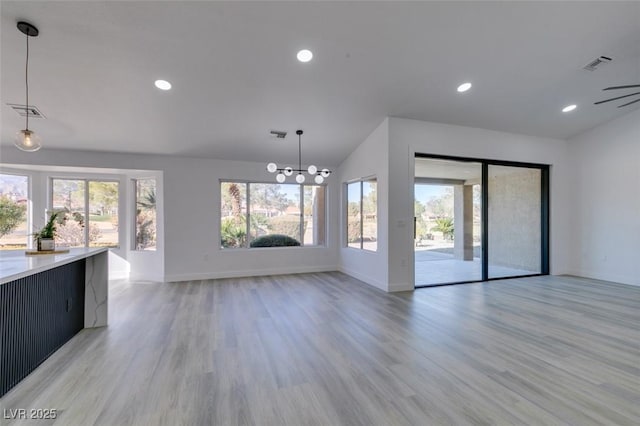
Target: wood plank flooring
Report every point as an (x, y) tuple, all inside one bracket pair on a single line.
[(326, 349)]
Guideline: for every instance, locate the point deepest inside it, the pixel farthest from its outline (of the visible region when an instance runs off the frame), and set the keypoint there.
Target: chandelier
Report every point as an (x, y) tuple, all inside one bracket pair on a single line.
[(284, 172)]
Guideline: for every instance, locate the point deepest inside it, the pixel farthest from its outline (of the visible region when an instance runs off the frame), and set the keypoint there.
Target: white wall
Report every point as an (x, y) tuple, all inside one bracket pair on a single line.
[(192, 215), (406, 137), (369, 159), (606, 186)]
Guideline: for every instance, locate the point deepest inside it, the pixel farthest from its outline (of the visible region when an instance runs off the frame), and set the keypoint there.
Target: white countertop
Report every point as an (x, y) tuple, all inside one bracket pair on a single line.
[(15, 264)]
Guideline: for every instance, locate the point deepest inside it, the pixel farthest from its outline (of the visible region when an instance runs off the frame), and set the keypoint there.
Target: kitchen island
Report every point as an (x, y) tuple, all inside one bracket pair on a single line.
[(44, 301)]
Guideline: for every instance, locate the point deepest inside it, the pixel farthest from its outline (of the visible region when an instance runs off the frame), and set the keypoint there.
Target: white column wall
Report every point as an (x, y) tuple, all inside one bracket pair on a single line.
[(606, 211), (368, 159)]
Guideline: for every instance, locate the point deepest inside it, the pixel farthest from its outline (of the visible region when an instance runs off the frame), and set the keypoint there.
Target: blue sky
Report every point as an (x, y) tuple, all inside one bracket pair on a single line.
[(424, 193)]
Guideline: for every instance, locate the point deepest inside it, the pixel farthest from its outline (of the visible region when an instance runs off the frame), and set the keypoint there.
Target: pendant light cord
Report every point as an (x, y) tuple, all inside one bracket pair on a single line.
[(26, 81), (299, 154)]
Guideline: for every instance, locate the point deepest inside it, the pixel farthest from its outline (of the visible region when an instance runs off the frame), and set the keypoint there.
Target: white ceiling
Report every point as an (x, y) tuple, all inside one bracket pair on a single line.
[(235, 76)]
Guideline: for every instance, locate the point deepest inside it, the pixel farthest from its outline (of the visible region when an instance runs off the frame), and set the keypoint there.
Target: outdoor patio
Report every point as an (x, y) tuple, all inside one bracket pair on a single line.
[(436, 266)]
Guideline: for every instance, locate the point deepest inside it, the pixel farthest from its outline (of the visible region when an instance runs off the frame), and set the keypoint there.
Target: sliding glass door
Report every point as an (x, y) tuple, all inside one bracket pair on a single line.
[(514, 221), (476, 220), (447, 218)]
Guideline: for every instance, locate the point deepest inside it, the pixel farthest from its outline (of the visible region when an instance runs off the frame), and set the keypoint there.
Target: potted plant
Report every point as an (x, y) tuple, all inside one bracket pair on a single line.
[(45, 238)]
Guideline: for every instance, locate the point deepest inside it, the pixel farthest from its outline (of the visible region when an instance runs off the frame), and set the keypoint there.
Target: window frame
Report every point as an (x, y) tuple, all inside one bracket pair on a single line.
[(345, 239), (134, 203), (247, 214)]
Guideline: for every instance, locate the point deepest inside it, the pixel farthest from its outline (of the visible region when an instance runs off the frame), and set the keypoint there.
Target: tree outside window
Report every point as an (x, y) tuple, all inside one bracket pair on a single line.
[(362, 215), (14, 202), (271, 215)]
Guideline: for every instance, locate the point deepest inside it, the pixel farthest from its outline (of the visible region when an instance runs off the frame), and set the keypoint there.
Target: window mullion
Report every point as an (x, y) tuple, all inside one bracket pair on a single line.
[(361, 216), (248, 214), (86, 212)]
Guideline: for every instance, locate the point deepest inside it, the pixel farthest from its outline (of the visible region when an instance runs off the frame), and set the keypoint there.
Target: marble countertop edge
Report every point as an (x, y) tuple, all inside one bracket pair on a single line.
[(15, 264)]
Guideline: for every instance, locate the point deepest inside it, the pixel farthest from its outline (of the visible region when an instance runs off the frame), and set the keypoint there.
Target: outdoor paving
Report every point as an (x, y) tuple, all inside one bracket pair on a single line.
[(435, 267)]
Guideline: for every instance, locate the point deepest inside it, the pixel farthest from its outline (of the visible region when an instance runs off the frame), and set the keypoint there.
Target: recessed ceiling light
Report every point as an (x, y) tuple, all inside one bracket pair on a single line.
[(569, 108), (464, 87), (304, 55), (163, 84)]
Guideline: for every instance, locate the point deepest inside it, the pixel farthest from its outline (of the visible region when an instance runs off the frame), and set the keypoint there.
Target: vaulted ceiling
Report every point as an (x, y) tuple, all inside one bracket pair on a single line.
[(235, 75)]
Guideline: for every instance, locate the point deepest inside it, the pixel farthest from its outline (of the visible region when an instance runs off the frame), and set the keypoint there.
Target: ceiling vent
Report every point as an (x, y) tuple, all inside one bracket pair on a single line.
[(278, 134), (23, 110), (597, 63)]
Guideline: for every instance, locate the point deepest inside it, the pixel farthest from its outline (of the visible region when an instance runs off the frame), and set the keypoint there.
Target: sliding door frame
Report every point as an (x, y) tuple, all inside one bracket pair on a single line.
[(544, 212)]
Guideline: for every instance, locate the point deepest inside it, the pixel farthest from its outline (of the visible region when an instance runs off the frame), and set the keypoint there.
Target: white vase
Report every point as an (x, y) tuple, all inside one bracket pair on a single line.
[(46, 244)]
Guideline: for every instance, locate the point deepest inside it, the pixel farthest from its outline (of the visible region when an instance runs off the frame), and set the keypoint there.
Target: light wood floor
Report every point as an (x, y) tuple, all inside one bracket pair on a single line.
[(329, 350)]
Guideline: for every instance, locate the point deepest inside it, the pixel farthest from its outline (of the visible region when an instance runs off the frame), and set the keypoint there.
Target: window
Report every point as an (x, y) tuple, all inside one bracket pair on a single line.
[(145, 230), (362, 217), (93, 212), (250, 213), (14, 212), (103, 213)]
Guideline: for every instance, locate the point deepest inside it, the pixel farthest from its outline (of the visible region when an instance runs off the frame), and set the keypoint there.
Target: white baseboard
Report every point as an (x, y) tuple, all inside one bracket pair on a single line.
[(393, 287), (364, 278), (118, 275), (248, 273), (595, 275), (147, 278)]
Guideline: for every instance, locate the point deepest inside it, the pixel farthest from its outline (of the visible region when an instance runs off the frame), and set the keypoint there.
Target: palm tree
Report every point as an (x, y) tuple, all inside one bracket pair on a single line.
[(444, 225), (236, 197), (146, 219), (148, 200)]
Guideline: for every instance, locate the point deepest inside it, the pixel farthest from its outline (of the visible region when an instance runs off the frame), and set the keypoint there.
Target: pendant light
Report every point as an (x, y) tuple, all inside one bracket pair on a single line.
[(284, 172), (27, 140)]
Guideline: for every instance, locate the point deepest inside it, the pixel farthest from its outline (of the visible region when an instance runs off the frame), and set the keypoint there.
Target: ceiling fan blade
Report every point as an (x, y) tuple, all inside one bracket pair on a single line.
[(629, 103), (631, 86), (616, 98)]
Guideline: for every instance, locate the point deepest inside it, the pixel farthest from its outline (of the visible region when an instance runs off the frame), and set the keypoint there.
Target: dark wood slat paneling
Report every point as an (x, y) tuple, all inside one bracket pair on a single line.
[(38, 314)]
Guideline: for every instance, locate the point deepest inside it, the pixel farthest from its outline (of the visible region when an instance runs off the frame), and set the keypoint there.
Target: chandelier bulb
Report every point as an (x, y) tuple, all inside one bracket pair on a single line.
[(280, 178), (312, 169), (300, 178), (288, 171), (272, 167), (319, 179), (325, 172)]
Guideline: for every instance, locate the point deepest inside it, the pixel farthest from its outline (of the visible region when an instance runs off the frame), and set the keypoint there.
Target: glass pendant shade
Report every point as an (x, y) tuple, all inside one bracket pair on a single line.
[(272, 167), (325, 172), (27, 140), (300, 178), (280, 178), (288, 171), (318, 179), (312, 169)]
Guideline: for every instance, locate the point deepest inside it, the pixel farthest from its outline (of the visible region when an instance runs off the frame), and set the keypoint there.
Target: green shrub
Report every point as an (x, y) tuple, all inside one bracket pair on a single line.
[(233, 233), (285, 225), (353, 230), (11, 215), (275, 240)]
